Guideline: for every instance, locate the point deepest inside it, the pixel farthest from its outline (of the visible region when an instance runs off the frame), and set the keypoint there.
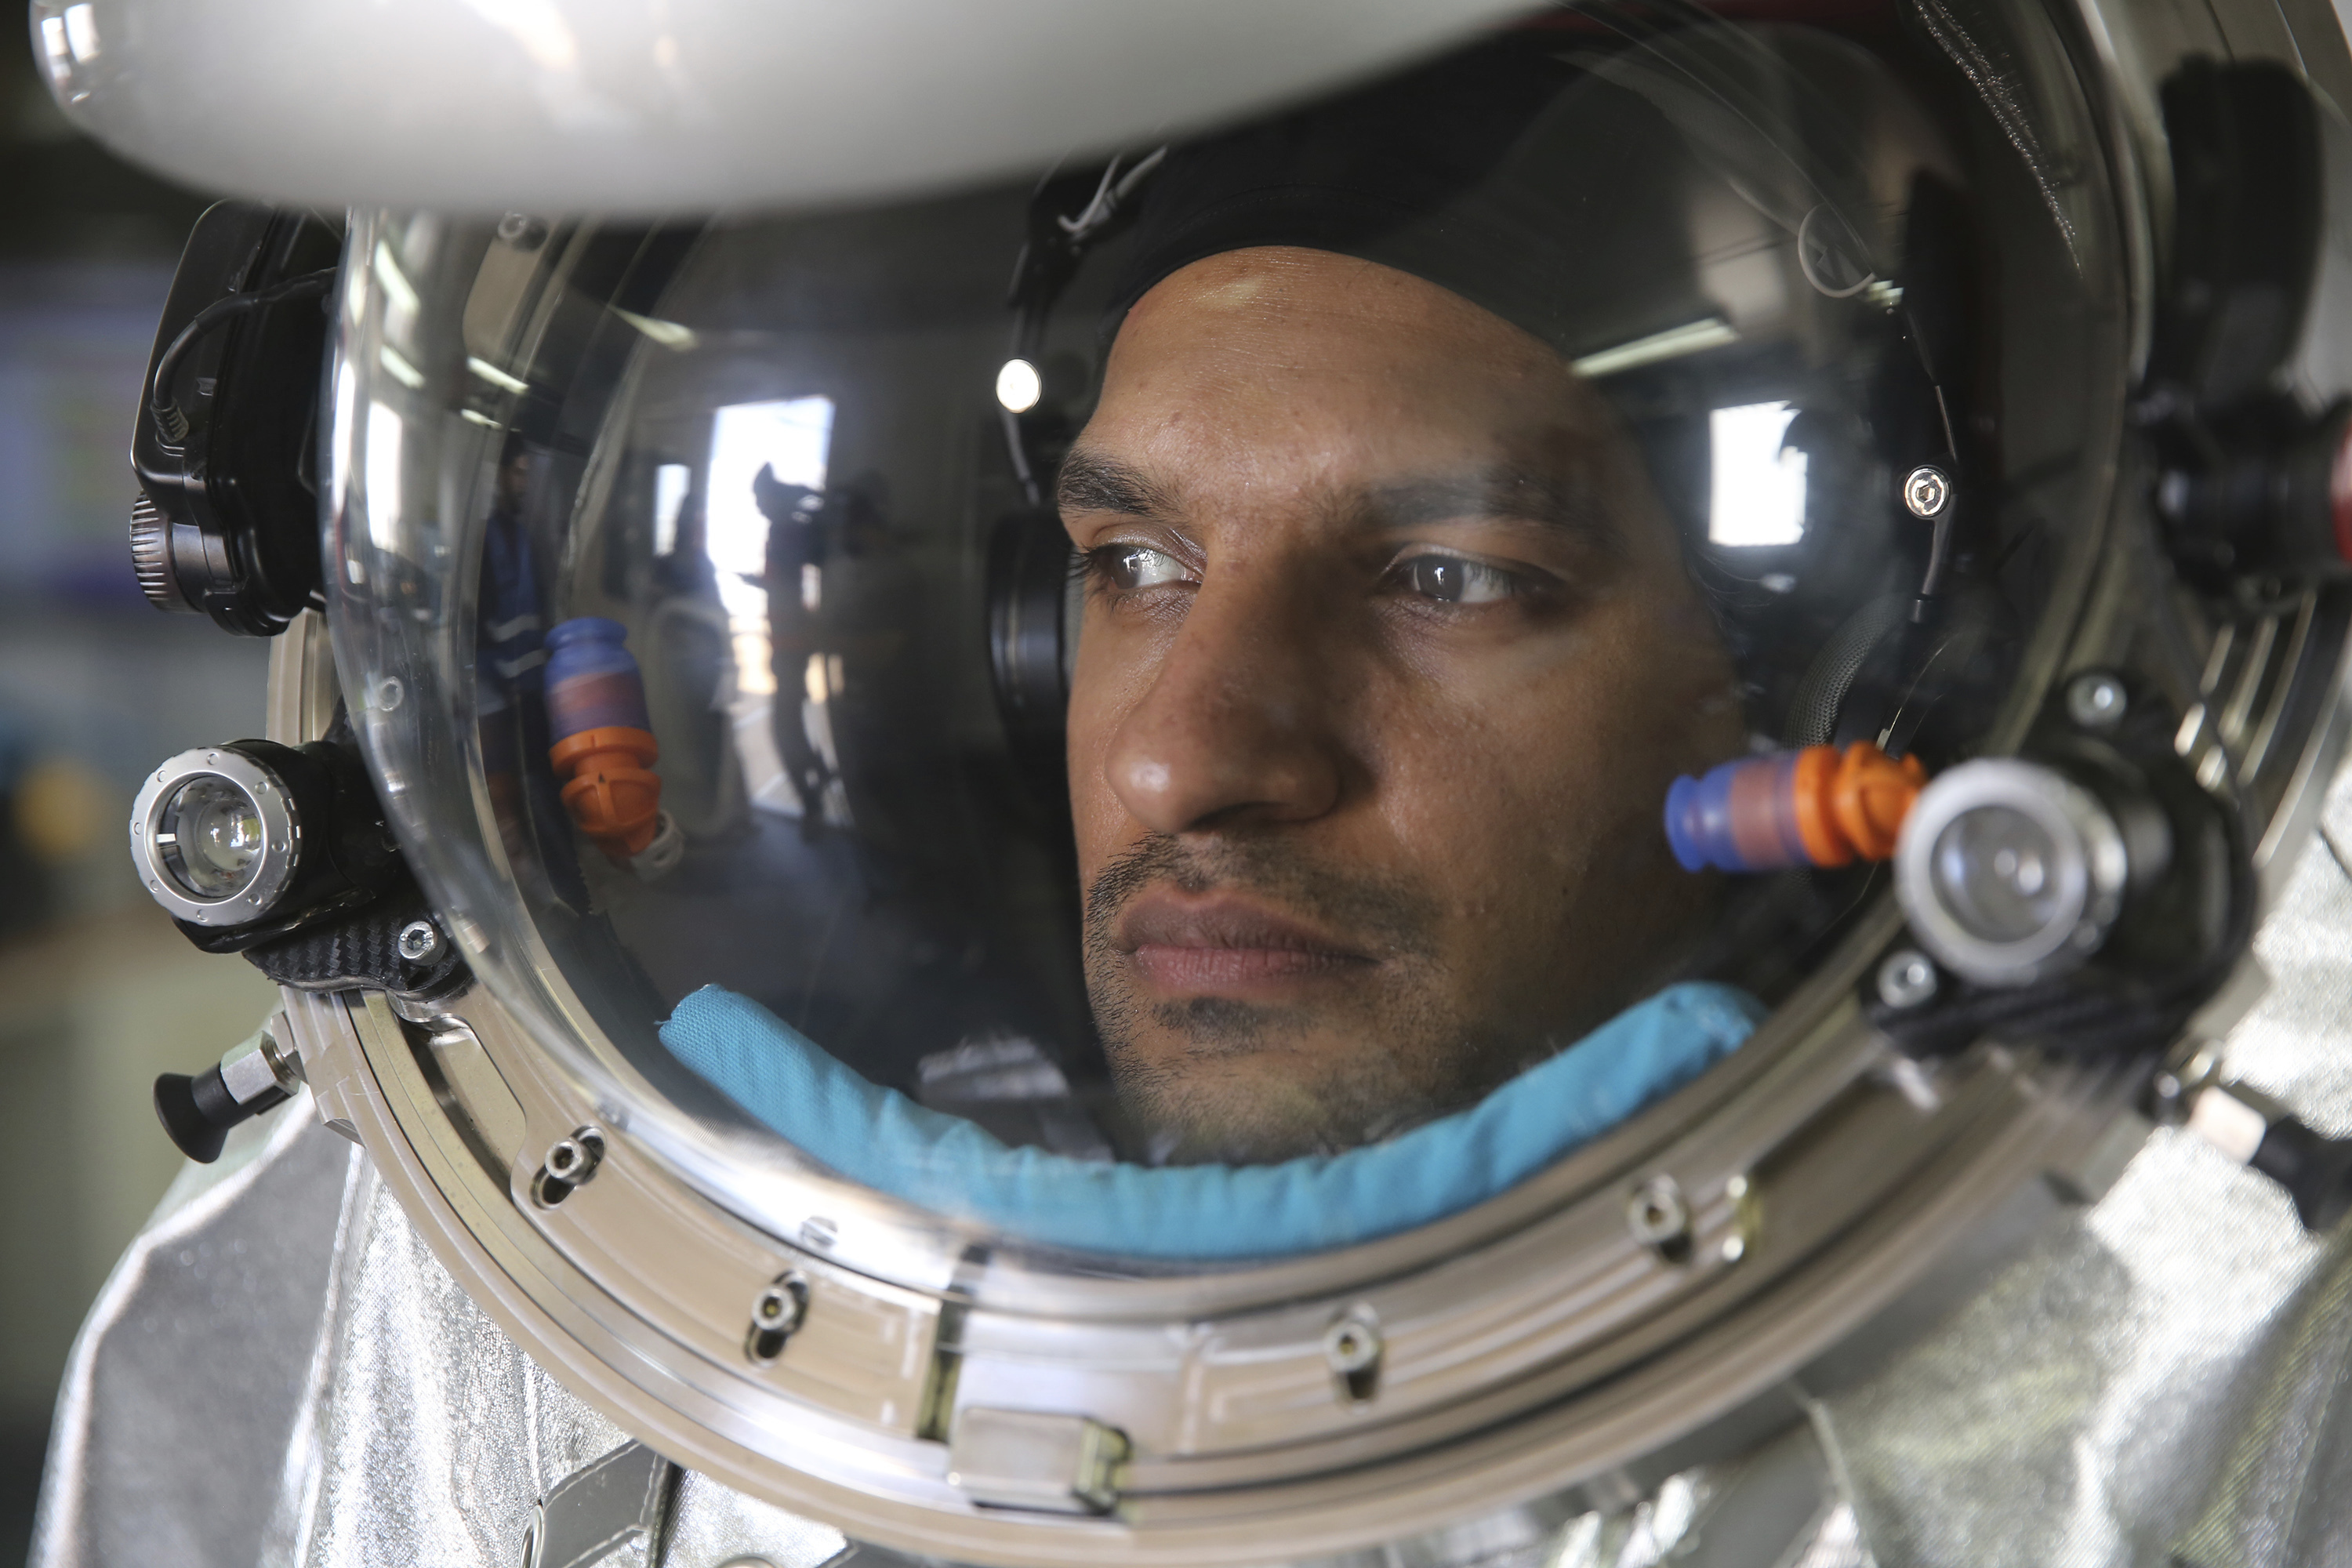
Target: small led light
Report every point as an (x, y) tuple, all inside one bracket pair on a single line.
[(213, 834), (210, 836), (1999, 873), (1018, 386)]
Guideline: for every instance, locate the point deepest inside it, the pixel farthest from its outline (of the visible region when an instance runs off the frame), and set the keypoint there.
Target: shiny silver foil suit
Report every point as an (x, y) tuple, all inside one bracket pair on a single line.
[(280, 1374)]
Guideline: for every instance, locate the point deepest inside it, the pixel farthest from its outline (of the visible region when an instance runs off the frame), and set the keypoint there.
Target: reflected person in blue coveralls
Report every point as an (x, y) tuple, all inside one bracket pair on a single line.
[(510, 671)]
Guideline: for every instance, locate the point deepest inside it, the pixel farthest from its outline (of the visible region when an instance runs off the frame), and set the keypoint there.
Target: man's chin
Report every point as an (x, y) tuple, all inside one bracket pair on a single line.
[(1214, 1082), (1218, 1114)]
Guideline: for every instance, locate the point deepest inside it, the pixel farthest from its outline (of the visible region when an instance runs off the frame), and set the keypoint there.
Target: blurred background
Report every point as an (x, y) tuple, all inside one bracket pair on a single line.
[(98, 992)]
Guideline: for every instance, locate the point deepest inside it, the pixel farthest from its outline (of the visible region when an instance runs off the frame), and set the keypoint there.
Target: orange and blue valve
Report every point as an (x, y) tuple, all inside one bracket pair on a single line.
[(1817, 806), (604, 740)]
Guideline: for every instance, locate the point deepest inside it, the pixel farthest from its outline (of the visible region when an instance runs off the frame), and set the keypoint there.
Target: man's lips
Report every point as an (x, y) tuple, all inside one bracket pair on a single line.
[(1224, 943)]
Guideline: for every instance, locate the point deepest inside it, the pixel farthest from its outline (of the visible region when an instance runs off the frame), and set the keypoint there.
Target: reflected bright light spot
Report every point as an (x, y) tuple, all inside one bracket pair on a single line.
[(792, 436), (81, 31), (496, 376), (668, 335), (1696, 337), (538, 26), (383, 436), (398, 291), (1758, 493), (55, 52), (1018, 386), (671, 481), (339, 454), (400, 300), (395, 364), (755, 672)]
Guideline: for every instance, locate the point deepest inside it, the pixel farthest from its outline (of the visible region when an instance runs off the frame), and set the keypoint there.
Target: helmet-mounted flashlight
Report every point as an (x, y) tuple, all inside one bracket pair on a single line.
[(214, 838), (2009, 872), (250, 841)]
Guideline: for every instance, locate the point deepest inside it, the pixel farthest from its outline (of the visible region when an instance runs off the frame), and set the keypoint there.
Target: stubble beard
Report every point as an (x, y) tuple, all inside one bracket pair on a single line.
[(1213, 1079)]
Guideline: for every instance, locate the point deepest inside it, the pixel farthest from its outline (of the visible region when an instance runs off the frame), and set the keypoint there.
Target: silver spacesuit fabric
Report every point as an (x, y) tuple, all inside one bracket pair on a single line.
[(280, 1373), (2160, 1378)]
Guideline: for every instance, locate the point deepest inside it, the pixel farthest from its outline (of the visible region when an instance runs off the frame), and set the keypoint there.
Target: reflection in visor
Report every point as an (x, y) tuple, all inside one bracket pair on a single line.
[(1757, 481), (765, 535), (1219, 710)]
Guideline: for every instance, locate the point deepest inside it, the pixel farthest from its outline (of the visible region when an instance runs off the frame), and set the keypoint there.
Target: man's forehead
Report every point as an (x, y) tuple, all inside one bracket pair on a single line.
[(1294, 379), (1302, 311), (1346, 360), (1553, 485)]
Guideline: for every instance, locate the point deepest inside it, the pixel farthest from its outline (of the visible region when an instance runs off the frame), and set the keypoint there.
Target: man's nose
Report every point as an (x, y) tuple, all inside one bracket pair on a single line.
[(1238, 723)]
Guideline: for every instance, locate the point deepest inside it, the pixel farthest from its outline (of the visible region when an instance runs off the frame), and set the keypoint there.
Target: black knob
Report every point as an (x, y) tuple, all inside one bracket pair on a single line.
[(199, 1112), (150, 555), (2314, 1169)]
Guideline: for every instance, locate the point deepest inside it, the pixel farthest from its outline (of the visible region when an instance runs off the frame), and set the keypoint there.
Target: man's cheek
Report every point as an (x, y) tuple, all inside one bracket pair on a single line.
[(1095, 810), (1100, 830)]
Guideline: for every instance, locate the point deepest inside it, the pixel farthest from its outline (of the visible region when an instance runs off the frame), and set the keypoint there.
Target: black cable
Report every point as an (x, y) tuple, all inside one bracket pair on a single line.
[(1043, 269), (170, 422)]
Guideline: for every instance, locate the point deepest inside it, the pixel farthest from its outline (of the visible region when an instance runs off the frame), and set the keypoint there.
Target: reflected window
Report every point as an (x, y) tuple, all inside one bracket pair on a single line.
[(81, 31), (757, 447), (671, 482), (384, 441), (790, 436), (1758, 491)]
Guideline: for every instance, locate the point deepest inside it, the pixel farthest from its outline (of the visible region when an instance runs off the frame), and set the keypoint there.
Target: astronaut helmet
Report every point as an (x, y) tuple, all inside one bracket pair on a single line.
[(1218, 783)]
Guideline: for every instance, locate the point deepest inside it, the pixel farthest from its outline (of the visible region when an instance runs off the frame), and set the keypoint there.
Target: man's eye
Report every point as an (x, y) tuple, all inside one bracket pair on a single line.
[(1127, 567), (1454, 580)]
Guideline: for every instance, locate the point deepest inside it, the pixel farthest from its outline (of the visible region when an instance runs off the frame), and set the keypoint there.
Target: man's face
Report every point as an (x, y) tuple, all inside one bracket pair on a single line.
[(514, 480), (1388, 659)]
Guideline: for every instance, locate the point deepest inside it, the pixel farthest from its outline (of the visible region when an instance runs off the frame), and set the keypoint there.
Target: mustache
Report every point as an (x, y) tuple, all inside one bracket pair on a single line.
[(1390, 915)]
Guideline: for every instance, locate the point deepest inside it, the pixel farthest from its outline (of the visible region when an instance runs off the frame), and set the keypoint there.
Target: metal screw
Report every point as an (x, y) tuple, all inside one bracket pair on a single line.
[(1907, 980), (522, 231), (776, 1315), (1927, 491), (1658, 1216), (1352, 1346), (2096, 700), (285, 1062), (420, 942), (564, 1157), (569, 1164), (781, 1306)]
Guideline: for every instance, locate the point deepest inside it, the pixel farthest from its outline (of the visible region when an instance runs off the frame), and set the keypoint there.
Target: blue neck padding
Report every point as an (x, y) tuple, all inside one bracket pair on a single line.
[(883, 1140)]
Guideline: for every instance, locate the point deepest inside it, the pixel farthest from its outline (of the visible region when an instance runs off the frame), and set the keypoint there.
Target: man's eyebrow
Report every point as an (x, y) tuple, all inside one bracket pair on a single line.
[(1505, 490), (1093, 481)]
